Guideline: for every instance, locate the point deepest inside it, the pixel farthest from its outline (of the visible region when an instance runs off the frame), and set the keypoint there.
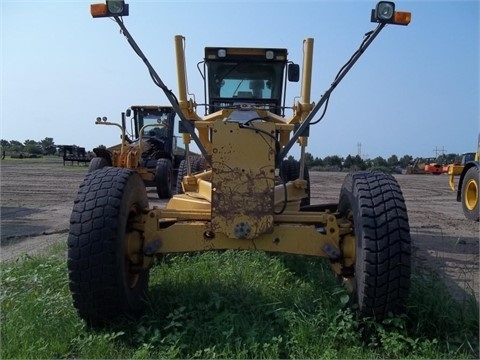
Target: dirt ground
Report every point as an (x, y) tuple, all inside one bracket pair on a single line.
[(37, 196)]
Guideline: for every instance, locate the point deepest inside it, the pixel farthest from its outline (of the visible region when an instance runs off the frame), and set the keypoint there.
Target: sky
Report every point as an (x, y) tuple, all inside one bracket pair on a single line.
[(415, 91)]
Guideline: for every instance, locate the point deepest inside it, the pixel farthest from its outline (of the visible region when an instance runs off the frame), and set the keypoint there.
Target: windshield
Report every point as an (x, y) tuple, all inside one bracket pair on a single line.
[(152, 119), (155, 119), (261, 81)]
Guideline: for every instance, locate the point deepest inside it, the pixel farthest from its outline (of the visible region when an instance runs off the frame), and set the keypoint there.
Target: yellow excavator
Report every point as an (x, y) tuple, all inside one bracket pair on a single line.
[(468, 183)]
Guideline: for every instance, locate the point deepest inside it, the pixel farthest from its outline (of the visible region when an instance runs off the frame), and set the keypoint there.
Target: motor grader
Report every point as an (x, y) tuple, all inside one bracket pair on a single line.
[(467, 188), (242, 200), (151, 150)]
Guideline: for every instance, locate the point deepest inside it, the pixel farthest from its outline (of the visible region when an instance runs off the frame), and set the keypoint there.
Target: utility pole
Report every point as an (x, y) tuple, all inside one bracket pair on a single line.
[(438, 151)]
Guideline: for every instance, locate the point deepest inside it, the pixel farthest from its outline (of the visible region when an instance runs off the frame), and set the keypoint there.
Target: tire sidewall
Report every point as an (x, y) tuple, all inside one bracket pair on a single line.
[(348, 202), (134, 195)]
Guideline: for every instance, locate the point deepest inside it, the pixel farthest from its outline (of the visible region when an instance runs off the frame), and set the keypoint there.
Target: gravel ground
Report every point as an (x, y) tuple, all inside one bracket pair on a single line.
[(37, 198)]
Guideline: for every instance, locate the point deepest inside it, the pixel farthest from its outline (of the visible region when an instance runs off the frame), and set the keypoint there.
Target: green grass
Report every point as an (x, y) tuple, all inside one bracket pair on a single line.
[(42, 159), (50, 161), (229, 305)]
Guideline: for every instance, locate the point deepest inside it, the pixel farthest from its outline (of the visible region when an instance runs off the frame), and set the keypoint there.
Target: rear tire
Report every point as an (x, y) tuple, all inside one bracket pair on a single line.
[(291, 171), (164, 178), (374, 203), (103, 281), (469, 194), (97, 163), (198, 164), (182, 172)]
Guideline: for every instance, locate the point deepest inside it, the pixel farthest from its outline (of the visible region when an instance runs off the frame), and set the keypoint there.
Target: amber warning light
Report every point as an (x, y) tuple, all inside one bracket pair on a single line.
[(402, 17), (385, 13), (98, 10)]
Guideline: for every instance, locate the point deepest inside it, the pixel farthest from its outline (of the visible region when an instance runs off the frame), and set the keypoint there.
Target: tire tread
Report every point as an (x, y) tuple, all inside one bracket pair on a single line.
[(385, 243), (93, 258)]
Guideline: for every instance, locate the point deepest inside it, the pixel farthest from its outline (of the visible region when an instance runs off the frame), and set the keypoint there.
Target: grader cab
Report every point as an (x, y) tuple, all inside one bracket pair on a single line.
[(249, 197)]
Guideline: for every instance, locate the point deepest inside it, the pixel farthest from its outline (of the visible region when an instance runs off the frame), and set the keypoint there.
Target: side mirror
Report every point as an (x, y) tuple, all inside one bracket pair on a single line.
[(128, 112), (293, 72)]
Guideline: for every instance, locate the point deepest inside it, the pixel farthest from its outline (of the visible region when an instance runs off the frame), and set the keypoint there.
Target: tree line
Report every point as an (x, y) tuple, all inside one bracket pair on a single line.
[(43, 147), (334, 162), (46, 146)]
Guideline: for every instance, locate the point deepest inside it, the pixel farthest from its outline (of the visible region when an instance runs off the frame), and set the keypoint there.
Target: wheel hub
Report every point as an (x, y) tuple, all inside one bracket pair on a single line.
[(133, 247), (471, 194)]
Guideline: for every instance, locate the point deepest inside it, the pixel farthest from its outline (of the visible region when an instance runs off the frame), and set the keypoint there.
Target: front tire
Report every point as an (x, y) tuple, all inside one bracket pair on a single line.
[(469, 194), (374, 204), (164, 178), (97, 163), (103, 280)]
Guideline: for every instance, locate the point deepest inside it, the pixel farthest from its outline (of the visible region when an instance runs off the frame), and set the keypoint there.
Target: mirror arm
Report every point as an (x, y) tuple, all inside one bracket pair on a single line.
[(158, 81)]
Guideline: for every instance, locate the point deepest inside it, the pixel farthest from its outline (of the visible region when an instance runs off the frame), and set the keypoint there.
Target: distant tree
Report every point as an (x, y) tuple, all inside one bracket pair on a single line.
[(405, 160), (368, 163), (359, 162), (450, 158), (48, 146), (101, 147), (392, 160), (4, 143), (348, 163), (333, 160), (16, 146), (309, 160), (379, 162), (32, 147), (318, 162), (354, 163)]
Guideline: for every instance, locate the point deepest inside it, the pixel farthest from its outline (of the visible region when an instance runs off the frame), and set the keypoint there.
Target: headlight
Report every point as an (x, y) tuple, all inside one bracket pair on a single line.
[(385, 13), (115, 7), (385, 10)]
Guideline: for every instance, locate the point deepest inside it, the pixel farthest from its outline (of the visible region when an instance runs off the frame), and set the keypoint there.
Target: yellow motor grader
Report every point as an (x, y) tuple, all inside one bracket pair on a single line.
[(468, 188), (249, 197), (151, 150)]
